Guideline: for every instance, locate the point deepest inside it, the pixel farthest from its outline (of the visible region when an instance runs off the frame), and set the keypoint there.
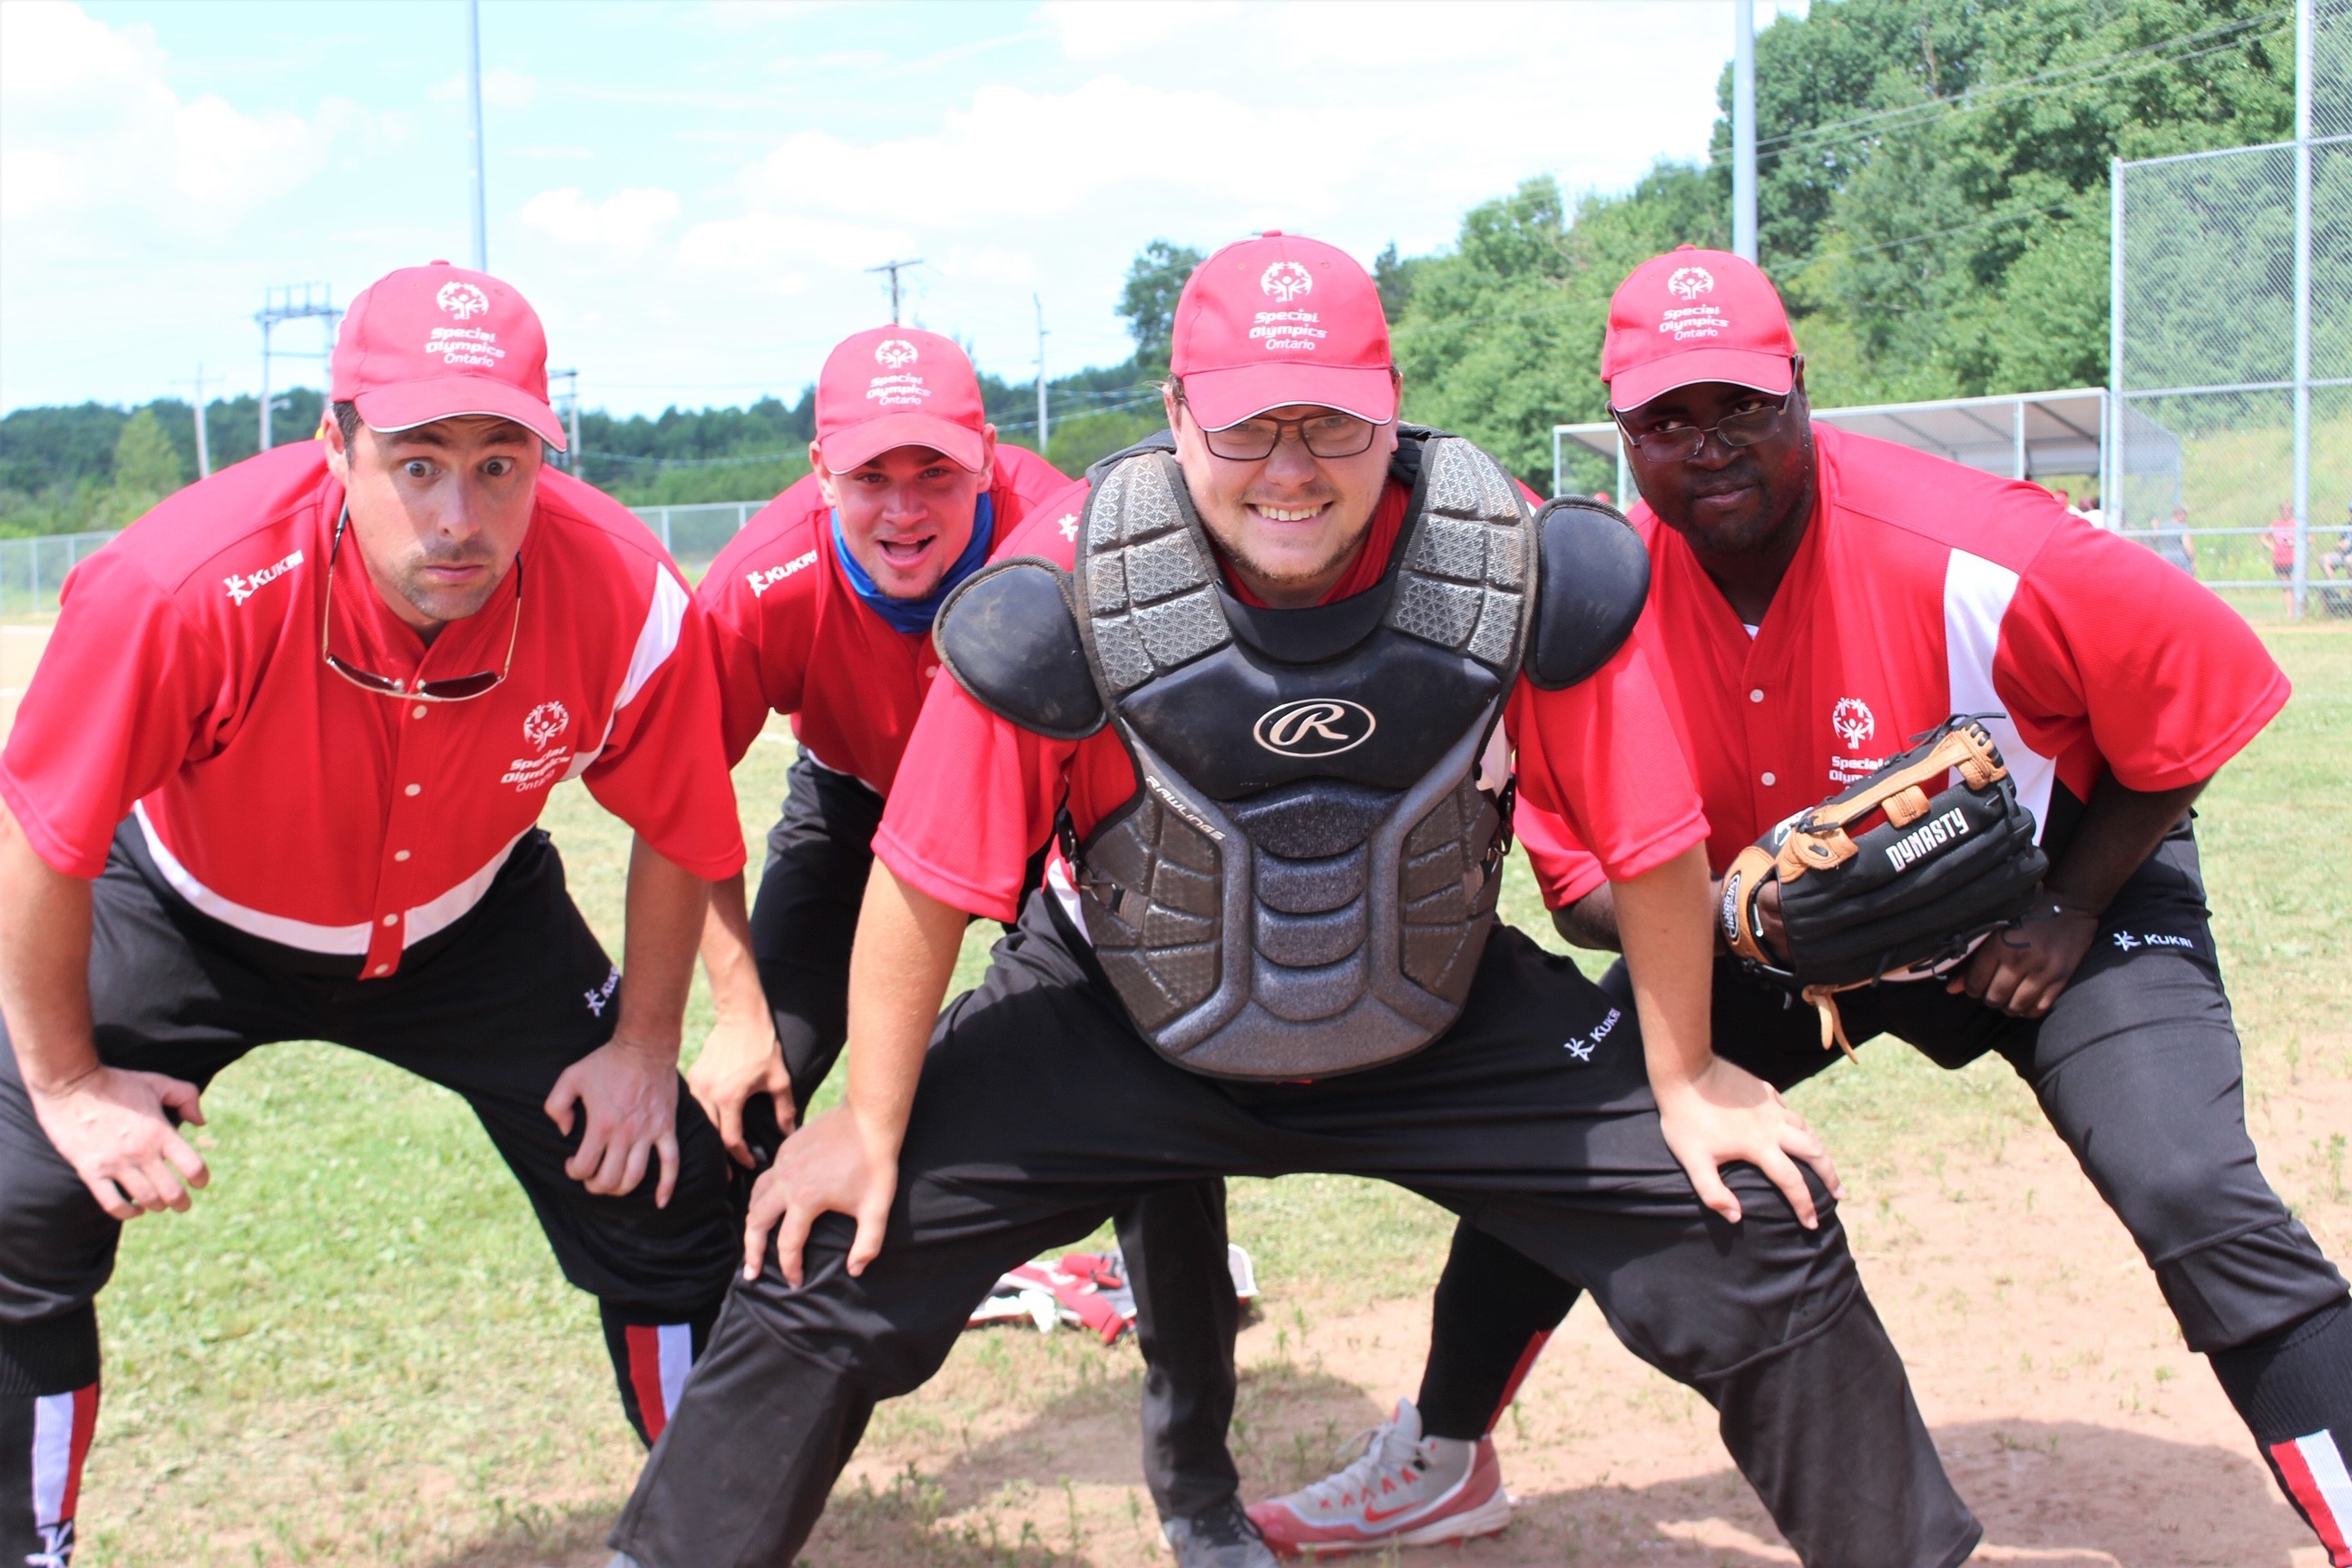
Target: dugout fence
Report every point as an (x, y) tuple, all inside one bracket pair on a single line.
[(33, 570), (2229, 432)]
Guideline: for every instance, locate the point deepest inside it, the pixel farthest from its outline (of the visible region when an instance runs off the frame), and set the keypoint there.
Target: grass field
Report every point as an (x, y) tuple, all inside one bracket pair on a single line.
[(356, 1349)]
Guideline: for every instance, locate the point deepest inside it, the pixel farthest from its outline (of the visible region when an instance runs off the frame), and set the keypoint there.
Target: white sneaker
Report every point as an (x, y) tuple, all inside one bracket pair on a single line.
[(1403, 1490)]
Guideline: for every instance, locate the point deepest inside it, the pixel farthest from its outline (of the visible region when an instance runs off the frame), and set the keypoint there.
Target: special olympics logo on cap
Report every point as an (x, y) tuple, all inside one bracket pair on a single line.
[(544, 722), (895, 354), (463, 300), (1690, 282), (1287, 280)]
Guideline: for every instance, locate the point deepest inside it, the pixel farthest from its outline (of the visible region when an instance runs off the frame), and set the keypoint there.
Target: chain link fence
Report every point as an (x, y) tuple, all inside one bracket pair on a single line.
[(2217, 336), (694, 534), (33, 570)]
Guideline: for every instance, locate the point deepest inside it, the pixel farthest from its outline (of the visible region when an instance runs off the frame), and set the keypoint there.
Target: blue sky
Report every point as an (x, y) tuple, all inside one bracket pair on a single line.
[(689, 192)]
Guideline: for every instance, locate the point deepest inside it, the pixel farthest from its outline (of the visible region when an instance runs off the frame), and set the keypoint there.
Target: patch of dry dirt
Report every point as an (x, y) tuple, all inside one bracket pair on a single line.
[(2071, 1417)]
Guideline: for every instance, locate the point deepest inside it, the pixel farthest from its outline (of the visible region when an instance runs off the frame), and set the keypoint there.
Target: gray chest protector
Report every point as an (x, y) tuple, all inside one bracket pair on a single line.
[(1305, 880)]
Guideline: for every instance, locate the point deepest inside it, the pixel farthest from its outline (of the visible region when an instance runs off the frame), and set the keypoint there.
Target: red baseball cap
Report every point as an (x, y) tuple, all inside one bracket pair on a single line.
[(436, 341), (899, 386), (1280, 319), (1695, 315)]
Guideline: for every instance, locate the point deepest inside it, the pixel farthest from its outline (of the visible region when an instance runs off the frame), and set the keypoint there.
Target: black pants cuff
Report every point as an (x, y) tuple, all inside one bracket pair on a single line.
[(54, 1355)]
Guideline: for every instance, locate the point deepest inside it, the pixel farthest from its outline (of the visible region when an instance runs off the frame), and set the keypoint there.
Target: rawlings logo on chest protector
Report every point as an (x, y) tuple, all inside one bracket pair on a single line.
[(1315, 727)]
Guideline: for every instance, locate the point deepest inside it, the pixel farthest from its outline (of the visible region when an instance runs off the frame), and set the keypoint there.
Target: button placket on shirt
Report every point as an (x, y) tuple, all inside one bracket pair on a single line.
[(1763, 713), (404, 823)]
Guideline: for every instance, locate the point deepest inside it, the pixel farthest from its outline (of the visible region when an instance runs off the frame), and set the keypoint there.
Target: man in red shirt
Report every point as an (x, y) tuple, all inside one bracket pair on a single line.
[(822, 609), (1270, 704), (1820, 598), (277, 778)]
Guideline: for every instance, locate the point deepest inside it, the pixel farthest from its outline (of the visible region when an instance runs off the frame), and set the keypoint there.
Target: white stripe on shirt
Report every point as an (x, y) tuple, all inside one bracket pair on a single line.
[(1977, 596)]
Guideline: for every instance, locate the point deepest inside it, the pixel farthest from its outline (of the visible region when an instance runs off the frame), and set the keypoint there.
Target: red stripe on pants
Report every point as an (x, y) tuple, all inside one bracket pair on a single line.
[(644, 1340), (85, 1426), (2304, 1488), (1525, 1364)]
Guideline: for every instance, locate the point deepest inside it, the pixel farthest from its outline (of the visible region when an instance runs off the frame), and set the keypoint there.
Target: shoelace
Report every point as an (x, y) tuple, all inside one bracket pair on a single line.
[(1224, 1525), (1364, 1470)]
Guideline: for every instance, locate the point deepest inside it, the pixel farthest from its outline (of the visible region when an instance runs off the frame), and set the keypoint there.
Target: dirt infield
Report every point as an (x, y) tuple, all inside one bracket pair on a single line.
[(2058, 1390)]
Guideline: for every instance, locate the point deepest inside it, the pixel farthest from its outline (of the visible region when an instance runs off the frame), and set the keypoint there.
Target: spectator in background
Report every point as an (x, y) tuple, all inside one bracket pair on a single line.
[(2174, 542), (2281, 537), (2092, 513), (2335, 592)]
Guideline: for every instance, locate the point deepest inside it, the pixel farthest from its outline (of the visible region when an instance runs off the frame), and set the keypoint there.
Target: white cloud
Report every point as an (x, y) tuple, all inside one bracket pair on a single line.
[(1090, 29), (91, 129), (1100, 135), (761, 242), (501, 88), (622, 224)]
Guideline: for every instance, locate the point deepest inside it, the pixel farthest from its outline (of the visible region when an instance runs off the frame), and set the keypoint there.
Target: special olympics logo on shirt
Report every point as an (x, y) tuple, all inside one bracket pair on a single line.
[(463, 300), (1285, 281), (895, 354), (544, 722), (1690, 282), (1854, 721)]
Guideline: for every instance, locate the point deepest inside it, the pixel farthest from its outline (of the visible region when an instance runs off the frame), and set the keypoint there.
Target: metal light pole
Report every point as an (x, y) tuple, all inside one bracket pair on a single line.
[(2111, 482), (1743, 128), (278, 304), (203, 447), (2303, 53), (474, 102), (1043, 430)]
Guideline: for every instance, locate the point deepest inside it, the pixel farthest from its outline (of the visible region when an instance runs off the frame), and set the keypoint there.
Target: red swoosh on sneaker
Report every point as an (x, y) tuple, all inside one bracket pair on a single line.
[(1374, 1516)]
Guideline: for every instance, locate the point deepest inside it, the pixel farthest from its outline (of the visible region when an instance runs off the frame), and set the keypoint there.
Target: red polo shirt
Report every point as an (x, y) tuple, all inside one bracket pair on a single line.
[(790, 634), (183, 685), (1924, 589), (983, 792)]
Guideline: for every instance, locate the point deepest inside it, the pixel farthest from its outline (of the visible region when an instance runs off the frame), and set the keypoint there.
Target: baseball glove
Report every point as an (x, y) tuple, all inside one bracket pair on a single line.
[(1896, 878)]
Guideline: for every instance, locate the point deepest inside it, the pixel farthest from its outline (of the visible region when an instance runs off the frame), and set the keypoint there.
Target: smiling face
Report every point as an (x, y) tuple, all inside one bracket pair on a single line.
[(1726, 500), (438, 511), (907, 515), (1290, 523)]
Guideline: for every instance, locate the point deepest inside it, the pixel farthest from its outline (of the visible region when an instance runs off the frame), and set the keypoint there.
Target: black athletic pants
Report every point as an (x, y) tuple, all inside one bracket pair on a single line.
[(819, 853), (2137, 1068), (1041, 1112), (495, 1008)]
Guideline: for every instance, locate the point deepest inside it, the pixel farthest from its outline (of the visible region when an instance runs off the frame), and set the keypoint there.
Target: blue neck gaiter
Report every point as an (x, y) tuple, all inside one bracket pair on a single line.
[(914, 615)]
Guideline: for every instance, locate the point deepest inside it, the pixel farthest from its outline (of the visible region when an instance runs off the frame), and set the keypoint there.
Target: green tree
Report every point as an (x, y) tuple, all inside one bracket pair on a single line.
[(1500, 340), (1148, 304), (146, 468)]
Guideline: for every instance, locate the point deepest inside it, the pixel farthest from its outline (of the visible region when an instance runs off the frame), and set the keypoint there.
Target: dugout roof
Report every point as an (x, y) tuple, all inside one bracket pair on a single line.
[(2019, 435)]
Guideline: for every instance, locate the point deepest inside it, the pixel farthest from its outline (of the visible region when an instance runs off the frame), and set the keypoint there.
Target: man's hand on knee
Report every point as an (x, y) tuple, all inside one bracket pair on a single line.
[(1727, 1114), (111, 1126), (629, 1093), (834, 1165)]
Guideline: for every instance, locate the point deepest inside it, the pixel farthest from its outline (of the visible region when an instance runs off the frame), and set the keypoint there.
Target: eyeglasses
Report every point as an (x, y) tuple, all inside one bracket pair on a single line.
[(457, 688), (1682, 442), (1323, 436)]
